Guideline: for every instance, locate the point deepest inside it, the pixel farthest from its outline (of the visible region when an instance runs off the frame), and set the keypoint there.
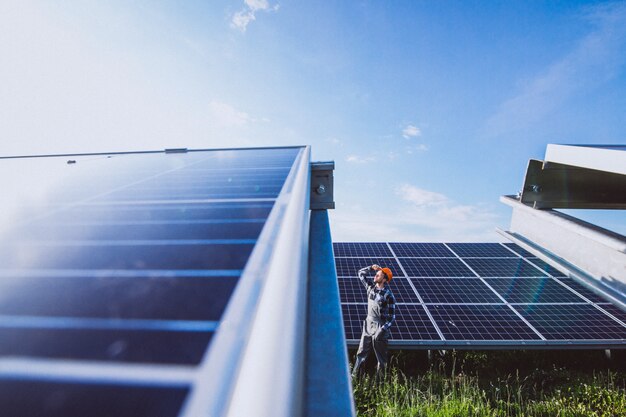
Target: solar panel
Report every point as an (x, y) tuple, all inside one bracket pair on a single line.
[(494, 267), (125, 259), (481, 250), (412, 323), (421, 250), (533, 290), (353, 317), (349, 267), (351, 290), (29, 398), (480, 322), (482, 294), (435, 267), (519, 250), (402, 291), (545, 267), (351, 249), (454, 290), (565, 322)]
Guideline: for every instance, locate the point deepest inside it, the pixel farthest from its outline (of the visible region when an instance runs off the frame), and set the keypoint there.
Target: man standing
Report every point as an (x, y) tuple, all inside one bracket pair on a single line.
[(381, 312)]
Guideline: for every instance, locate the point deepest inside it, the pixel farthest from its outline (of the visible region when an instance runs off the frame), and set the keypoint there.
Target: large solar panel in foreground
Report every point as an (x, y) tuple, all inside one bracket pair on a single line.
[(115, 271), (473, 295)]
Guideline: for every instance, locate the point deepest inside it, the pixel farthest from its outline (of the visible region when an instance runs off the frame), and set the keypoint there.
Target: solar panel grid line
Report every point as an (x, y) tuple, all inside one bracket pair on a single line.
[(573, 290), (421, 300), (70, 370), (623, 323), (517, 255), (502, 298), (574, 323)]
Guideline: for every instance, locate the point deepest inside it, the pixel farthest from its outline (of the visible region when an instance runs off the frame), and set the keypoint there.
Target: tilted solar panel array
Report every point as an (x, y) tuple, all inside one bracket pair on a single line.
[(476, 295), (115, 271)]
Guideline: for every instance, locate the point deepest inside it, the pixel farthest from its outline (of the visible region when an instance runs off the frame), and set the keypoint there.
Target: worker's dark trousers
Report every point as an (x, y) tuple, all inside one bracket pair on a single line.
[(366, 345)]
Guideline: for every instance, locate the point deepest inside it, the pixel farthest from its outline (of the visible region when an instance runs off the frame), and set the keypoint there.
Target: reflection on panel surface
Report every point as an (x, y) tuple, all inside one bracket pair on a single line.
[(126, 259)]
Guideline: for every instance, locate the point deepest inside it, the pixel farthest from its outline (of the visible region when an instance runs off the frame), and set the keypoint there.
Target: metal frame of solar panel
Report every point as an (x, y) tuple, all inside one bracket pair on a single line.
[(478, 296), (118, 274)]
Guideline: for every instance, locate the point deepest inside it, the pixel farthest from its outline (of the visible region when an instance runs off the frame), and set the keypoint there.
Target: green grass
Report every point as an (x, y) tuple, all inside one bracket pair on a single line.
[(477, 384)]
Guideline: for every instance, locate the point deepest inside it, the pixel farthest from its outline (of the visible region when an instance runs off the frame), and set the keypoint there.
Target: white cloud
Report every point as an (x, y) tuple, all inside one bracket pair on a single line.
[(411, 132), (597, 58), (225, 115), (415, 214), (357, 159), (419, 196), (243, 17)]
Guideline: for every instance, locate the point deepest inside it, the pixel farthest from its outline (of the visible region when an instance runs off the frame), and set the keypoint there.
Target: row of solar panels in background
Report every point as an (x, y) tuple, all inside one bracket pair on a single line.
[(131, 259), (485, 277)]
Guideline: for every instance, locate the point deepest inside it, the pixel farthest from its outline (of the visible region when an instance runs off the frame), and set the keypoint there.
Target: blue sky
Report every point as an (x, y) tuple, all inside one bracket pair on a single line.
[(430, 110)]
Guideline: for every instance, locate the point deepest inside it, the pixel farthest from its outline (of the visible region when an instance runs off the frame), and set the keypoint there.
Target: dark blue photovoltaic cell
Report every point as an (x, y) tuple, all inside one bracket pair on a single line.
[(165, 213), (454, 290), (481, 250), (412, 323), (583, 291), (533, 290), (29, 398), (402, 291), (578, 322), (494, 267), (545, 267), (164, 298), (615, 311), (519, 250), (351, 290), (421, 250), (349, 267), (434, 267), (137, 346), (150, 231), (480, 322), (353, 316), (350, 249), (130, 255)]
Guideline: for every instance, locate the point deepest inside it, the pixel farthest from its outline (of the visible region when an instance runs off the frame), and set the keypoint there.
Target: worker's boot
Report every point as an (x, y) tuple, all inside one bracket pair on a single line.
[(357, 366)]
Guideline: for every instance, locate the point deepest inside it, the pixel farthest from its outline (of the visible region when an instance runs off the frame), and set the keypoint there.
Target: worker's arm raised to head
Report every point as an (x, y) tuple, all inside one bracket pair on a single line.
[(363, 276)]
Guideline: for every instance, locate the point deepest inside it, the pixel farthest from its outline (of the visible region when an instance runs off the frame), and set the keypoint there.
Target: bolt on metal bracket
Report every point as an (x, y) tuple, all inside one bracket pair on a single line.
[(322, 190)]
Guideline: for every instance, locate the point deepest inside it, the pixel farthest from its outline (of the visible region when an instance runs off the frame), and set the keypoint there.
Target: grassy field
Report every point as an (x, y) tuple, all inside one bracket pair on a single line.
[(496, 383)]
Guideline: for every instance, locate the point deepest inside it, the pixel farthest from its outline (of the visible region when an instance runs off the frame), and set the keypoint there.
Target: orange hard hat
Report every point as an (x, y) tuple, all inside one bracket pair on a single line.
[(387, 272)]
